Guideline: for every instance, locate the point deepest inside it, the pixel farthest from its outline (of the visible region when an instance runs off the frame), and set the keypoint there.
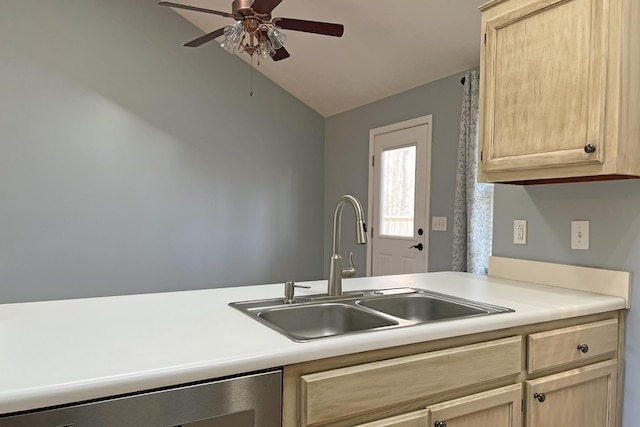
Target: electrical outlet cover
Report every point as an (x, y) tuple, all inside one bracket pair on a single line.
[(520, 232)]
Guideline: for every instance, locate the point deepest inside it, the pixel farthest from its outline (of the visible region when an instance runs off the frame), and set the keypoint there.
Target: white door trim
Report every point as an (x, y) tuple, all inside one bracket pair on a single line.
[(418, 121)]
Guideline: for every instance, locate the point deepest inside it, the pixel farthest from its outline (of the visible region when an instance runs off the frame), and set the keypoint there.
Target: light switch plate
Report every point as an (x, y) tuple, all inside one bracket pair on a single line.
[(439, 223), (580, 235)]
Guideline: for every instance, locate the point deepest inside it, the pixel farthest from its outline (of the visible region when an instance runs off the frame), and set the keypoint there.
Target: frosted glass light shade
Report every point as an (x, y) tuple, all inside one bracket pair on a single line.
[(233, 31), (229, 45), (266, 51), (276, 38)]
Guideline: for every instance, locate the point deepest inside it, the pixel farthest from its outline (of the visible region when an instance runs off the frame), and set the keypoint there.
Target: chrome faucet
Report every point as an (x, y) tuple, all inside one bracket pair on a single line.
[(336, 272)]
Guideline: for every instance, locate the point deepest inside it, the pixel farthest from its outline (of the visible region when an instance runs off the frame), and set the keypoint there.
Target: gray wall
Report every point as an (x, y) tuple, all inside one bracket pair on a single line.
[(613, 211), (346, 161), (130, 164)]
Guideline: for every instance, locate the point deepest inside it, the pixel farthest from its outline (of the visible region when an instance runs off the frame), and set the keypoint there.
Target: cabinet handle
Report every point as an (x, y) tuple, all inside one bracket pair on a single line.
[(583, 348), (589, 148), (439, 424), (540, 396)]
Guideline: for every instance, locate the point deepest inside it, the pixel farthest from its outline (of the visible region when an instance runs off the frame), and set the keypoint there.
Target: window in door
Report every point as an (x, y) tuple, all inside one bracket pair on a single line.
[(398, 182)]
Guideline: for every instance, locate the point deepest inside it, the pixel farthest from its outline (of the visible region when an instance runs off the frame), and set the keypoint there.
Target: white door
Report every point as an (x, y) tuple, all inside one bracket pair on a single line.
[(398, 198)]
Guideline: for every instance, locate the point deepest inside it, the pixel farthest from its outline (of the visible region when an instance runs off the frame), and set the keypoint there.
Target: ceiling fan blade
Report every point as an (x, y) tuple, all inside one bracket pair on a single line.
[(206, 38), (265, 6), (325, 28), (195, 9), (281, 54)]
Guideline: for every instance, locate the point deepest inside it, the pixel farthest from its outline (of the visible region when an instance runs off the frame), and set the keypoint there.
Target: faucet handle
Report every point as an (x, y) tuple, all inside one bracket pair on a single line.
[(289, 291), (351, 271)]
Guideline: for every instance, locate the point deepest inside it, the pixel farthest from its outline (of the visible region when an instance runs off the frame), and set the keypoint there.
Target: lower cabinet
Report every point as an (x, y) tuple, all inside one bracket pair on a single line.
[(495, 408), (582, 397), (562, 373)]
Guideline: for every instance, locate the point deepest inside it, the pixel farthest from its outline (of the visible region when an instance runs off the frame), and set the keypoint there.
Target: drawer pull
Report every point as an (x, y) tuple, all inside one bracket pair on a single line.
[(540, 396), (439, 424), (583, 348)]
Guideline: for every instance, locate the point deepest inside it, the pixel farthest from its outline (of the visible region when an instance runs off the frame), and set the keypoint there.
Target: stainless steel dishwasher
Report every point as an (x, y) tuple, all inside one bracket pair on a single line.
[(245, 401)]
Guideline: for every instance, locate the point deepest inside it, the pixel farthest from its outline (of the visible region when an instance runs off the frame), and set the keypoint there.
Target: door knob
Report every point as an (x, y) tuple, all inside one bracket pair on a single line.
[(540, 397), (419, 246)]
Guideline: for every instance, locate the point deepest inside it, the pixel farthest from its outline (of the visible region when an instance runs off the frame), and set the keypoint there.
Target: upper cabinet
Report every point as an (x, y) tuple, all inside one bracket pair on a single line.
[(560, 90)]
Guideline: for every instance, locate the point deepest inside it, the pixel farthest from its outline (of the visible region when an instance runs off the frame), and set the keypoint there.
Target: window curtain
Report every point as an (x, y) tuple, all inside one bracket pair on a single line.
[(473, 210)]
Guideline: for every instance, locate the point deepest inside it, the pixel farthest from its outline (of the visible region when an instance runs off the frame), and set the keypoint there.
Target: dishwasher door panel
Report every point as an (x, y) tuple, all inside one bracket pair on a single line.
[(252, 400)]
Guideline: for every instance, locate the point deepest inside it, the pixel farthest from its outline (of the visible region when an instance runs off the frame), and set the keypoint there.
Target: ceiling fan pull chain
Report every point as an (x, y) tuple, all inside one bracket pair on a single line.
[(251, 93)]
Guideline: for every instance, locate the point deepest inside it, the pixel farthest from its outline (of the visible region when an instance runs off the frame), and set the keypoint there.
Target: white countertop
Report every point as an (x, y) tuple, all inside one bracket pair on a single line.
[(57, 352)]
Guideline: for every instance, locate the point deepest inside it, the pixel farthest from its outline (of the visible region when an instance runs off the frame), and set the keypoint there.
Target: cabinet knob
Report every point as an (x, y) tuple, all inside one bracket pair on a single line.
[(589, 148), (439, 424), (540, 397), (583, 348)]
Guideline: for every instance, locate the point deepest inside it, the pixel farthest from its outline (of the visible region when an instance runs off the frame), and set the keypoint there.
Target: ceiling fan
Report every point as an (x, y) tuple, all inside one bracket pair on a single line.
[(255, 31)]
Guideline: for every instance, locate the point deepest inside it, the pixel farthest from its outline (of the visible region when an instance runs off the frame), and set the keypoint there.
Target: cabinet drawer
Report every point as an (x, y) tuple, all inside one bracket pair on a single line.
[(339, 393), (567, 345)]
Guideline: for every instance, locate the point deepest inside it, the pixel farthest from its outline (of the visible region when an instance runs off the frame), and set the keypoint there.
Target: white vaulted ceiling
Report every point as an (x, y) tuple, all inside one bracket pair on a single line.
[(388, 46)]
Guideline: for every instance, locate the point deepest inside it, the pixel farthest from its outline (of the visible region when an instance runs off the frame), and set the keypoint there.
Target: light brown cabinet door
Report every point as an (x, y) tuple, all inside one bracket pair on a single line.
[(544, 84), (495, 408), (330, 395), (583, 397)]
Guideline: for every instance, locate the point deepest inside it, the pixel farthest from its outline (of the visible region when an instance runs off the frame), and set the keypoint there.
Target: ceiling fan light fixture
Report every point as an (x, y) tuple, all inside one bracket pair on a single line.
[(276, 37), (254, 30)]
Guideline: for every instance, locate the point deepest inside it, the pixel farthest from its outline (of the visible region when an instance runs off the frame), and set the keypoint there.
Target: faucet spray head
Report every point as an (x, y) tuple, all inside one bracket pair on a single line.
[(361, 232)]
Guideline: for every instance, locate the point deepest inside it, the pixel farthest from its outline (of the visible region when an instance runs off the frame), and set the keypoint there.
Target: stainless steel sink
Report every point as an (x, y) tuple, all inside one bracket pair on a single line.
[(420, 307), (319, 316), (322, 320)]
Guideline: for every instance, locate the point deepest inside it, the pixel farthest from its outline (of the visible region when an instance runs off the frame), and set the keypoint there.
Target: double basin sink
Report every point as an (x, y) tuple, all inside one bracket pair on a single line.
[(319, 316)]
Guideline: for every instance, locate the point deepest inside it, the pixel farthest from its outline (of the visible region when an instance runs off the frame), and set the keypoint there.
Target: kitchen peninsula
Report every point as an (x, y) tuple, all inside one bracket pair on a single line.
[(62, 352)]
